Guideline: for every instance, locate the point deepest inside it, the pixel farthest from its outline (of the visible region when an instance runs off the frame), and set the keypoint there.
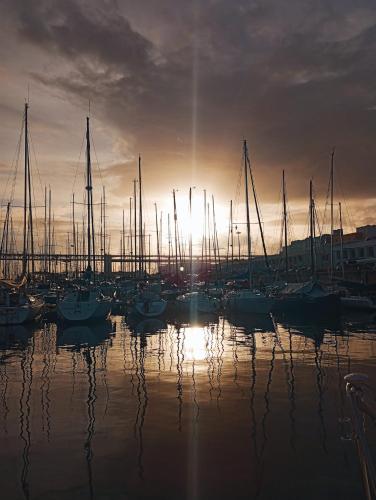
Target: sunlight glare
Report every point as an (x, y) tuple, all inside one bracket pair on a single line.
[(195, 343)]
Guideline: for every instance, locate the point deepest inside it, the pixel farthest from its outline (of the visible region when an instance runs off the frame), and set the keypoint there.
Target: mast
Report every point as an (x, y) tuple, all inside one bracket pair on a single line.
[(45, 229), (130, 235), (332, 214), (229, 238), (123, 240), (74, 236), (49, 229), (208, 237), (135, 223), (247, 210), (89, 189), (156, 225), (285, 221), (104, 222), (311, 228), (216, 244), (169, 242), (31, 232), (160, 237), (26, 166), (101, 233), (176, 233), (205, 246), (341, 241), (190, 232), (141, 245)]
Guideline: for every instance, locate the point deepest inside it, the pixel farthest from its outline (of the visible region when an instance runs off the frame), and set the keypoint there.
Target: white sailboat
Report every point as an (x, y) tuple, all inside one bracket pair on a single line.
[(17, 306), (247, 300), (86, 303)]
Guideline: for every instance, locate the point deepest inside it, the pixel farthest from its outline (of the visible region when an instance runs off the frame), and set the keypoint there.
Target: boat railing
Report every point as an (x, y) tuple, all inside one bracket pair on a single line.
[(363, 405)]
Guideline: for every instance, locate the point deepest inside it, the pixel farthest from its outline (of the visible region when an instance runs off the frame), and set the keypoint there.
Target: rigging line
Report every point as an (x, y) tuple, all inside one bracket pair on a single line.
[(14, 165), (238, 188), (78, 163), (327, 199), (36, 227), (35, 158), (97, 162), (350, 219)]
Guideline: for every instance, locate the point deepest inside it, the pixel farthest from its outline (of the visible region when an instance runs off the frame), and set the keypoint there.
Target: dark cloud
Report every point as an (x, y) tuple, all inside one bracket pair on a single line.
[(186, 81)]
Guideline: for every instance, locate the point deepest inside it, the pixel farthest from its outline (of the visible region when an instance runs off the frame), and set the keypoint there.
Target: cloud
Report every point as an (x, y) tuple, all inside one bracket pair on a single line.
[(184, 82)]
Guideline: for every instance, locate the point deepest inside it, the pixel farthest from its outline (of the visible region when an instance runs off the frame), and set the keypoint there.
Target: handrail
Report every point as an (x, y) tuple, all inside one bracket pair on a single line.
[(363, 404)]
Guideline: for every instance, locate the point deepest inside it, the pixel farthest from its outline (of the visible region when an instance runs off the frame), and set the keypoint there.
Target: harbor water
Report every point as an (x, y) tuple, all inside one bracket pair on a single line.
[(239, 408)]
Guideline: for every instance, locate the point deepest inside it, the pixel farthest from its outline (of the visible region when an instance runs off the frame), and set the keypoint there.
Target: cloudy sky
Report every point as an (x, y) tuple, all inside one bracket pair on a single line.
[(183, 83)]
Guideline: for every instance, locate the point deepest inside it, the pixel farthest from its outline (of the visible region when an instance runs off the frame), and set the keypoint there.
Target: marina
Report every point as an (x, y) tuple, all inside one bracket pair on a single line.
[(181, 373), (187, 250)]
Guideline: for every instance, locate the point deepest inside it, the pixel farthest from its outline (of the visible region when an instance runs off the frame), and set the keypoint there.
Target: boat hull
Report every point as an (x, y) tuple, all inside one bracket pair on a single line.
[(327, 304), (150, 309), (17, 315), (252, 305), (358, 303), (79, 311)]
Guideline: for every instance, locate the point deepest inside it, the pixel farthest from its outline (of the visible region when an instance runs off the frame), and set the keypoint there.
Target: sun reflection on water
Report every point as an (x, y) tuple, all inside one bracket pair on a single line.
[(195, 343)]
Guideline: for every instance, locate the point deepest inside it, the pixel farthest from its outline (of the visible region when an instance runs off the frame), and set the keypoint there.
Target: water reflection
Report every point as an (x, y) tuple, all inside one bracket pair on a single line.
[(101, 403)]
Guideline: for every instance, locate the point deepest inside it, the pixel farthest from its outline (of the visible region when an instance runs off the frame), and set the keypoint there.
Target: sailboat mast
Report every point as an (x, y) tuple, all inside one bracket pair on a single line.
[(169, 242), (176, 233), (74, 236), (247, 210), (45, 229), (157, 229), (135, 224), (332, 214), (341, 240), (104, 221), (205, 235), (160, 237), (89, 199), (130, 235), (311, 228), (123, 241), (190, 233), (141, 245), (285, 221), (31, 231), (24, 253)]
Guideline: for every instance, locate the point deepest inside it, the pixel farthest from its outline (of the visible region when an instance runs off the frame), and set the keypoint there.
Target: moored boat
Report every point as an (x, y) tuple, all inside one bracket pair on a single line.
[(84, 305), (16, 305), (306, 296), (249, 301)]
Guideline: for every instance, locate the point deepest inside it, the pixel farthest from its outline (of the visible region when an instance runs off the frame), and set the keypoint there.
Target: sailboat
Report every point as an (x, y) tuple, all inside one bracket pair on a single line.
[(310, 296), (86, 303), (17, 306), (248, 300)]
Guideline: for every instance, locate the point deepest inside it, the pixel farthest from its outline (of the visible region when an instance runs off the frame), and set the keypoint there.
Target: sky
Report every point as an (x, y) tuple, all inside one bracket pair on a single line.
[(183, 83)]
